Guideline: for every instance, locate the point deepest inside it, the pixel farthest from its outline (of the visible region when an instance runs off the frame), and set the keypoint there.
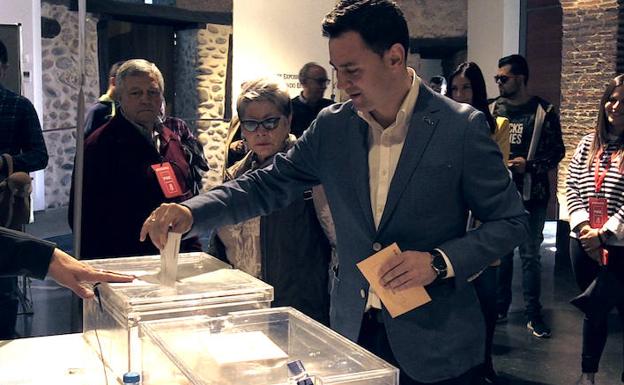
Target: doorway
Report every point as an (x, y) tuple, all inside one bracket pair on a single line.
[(123, 40)]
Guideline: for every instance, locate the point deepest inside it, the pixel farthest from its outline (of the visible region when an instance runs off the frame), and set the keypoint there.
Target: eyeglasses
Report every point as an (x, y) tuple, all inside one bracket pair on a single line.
[(502, 79), (269, 124), (321, 81)]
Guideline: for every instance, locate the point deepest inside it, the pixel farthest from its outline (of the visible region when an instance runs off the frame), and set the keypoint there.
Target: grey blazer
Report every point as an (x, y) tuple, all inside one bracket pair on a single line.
[(448, 166)]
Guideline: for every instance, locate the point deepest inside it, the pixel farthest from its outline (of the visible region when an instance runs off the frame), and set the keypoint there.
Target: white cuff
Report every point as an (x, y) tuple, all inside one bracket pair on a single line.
[(615, 226), (450, 273), (577, 217)]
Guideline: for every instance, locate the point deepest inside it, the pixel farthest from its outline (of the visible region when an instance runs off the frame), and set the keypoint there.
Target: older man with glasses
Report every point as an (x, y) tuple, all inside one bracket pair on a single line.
[(536, 147), (310, 102)]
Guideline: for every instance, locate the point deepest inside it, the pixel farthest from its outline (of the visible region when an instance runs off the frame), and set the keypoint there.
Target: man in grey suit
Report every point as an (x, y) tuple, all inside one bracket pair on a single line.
[(401, 164)]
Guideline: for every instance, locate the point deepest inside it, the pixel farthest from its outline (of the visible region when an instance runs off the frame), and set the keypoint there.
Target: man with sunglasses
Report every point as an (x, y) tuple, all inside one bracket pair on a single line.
[(310, 102), (536, 147)]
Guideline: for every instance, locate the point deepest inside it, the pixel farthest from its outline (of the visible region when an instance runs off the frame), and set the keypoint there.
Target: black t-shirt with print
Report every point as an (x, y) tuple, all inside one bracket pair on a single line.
[(549, 151), (521, 124)]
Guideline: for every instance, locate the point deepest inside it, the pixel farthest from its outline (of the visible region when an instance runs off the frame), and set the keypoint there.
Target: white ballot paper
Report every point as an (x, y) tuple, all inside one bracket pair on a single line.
[(169, 260), (231, 348)]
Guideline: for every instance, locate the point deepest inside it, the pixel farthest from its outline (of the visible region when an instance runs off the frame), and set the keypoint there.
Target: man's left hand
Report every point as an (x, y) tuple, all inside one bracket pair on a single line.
[(407, 269)]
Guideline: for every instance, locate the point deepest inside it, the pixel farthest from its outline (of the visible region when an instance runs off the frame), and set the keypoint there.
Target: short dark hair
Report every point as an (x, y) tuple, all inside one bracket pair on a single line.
[(380, 23), (518, 63), (437, 80), (112, 72), (303, 72), (4, 56)]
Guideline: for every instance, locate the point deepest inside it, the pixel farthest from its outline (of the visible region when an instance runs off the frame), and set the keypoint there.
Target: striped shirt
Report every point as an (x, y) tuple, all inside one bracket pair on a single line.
[(581, 185)]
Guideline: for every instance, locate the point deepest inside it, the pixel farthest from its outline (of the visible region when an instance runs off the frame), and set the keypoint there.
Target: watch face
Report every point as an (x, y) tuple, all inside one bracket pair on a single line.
[(438, 262)]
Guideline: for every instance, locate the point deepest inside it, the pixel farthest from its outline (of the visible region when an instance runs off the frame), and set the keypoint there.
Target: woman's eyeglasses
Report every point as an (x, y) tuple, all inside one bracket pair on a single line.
[(269, 124)]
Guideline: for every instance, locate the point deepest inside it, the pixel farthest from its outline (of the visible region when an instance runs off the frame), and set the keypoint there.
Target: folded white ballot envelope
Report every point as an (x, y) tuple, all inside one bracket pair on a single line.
[(169, 260)]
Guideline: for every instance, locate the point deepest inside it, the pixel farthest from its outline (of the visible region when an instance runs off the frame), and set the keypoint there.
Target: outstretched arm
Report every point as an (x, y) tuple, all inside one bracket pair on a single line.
[(74, 275)]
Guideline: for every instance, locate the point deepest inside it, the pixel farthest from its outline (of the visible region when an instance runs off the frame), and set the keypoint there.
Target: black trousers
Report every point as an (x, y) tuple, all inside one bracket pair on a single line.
[(374, 339), (595, 326), (485, 285), (8, 307)]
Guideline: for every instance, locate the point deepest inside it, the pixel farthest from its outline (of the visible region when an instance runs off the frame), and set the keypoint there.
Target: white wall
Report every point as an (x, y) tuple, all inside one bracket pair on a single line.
[(28, 13), (493, 32), (277, 37)]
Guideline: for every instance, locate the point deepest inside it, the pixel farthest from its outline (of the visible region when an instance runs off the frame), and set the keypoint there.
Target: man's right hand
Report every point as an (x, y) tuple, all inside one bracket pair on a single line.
[(517, 165), (167, 217)]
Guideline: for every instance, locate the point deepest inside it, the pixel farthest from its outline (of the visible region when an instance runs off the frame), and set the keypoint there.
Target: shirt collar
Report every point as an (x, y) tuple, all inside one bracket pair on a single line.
[(407, 106)]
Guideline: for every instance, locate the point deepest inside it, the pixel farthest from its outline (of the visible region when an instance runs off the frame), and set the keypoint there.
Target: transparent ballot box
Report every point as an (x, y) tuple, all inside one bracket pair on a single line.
[(255, 348), (204, 286)]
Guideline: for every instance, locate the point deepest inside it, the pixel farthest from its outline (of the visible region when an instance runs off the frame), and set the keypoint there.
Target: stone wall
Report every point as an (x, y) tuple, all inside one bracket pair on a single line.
[(201, 71), (201, 66), (60, 96), (588, 62), (436, 18)]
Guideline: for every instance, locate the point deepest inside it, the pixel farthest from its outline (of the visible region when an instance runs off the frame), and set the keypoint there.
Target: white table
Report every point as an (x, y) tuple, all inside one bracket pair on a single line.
[(55, 360)]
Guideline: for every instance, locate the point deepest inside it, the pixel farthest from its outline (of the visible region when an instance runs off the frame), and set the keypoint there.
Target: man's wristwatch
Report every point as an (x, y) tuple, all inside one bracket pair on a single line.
[(438, 264)]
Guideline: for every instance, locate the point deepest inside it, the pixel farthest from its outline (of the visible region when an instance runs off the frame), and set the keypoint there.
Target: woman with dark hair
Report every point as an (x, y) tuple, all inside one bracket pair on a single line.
[(466, 85), (595, 195)]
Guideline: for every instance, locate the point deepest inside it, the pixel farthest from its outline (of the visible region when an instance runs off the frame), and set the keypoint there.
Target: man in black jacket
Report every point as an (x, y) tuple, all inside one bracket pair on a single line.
[(536, 147), (22, 139), (310, 102)]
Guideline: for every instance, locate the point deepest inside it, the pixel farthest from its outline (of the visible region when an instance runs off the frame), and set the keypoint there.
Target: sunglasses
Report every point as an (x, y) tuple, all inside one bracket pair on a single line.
[(502, 79), (269, 124), (321, 81)]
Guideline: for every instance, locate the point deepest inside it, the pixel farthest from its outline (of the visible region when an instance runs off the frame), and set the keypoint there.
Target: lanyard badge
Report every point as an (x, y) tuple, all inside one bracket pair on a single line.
[(167, 180), (598, 207)]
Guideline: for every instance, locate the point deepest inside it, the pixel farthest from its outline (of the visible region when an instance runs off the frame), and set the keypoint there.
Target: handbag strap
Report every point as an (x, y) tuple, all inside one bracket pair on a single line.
[(8, 160)]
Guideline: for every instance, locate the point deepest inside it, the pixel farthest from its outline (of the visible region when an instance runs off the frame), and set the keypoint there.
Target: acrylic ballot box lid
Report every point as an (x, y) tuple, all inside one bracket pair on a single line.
[(202, 279), (253, 348)]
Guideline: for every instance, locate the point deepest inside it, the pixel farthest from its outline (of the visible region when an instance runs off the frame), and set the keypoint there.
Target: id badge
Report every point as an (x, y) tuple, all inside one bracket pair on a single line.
[(598, 212), (167, 180)]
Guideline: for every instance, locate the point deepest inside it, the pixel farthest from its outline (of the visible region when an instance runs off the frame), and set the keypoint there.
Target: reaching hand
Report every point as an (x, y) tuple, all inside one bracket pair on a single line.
[(73, 274), (167, 217), (407, 269)]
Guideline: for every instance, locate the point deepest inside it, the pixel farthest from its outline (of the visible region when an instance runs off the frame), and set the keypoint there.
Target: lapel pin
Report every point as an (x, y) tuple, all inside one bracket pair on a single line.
[(428, 120)]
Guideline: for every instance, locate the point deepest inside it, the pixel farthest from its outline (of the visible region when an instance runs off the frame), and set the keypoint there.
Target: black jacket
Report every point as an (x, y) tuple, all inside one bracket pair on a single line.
[(295, 257), (22, 254)]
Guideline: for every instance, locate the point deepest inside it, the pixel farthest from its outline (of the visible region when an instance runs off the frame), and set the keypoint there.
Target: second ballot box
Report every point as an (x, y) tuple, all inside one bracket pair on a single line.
[(256, 347)]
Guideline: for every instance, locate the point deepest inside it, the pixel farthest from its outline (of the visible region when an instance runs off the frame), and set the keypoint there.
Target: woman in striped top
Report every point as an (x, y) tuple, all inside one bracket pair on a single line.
[(595, 194)]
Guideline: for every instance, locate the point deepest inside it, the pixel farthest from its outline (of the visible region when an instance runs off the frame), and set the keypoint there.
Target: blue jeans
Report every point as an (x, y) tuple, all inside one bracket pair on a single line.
[(530, 257)]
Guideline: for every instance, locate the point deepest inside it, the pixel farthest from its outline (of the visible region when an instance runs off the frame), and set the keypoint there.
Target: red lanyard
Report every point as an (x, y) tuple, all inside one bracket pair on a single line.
[(599, 177)]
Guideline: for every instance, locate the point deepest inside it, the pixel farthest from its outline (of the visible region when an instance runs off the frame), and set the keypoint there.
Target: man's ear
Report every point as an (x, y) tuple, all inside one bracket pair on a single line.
[(395, 55)]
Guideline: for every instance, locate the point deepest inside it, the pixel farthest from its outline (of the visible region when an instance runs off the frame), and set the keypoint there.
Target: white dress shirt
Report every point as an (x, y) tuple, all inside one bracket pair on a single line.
[(384, 149)]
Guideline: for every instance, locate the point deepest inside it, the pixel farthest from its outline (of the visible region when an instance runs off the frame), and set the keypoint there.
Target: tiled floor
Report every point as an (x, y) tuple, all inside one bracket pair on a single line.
[(520, 358)]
